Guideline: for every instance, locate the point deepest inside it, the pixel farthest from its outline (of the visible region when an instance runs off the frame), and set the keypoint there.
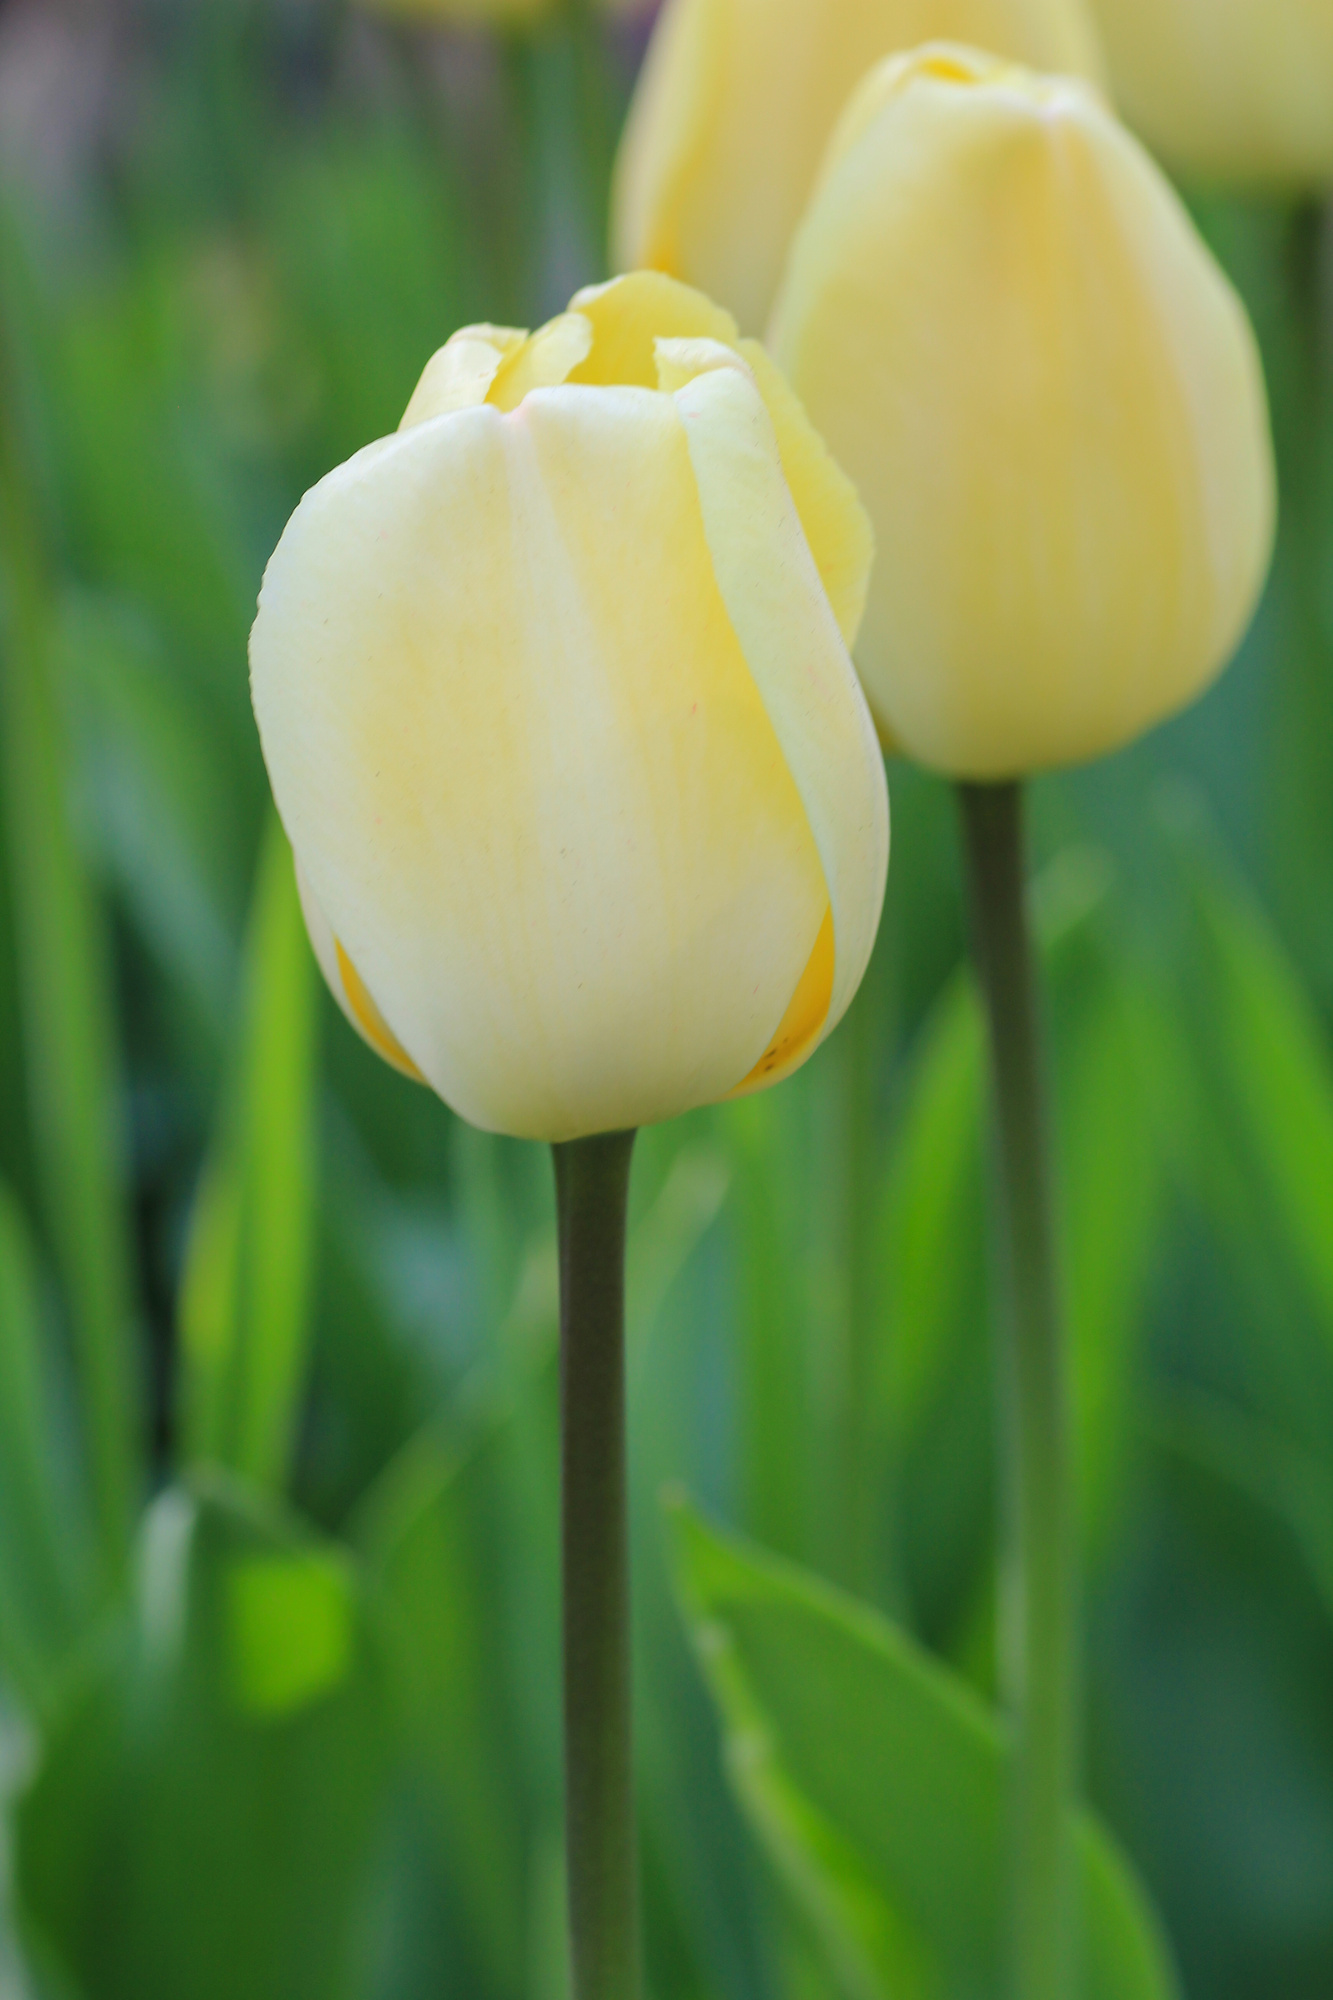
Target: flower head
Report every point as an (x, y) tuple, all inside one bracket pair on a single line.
[(1004, 323), (554, 691)]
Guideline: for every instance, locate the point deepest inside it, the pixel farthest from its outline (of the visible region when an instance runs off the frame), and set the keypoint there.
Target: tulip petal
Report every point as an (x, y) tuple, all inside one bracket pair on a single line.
[(544, 361), (836, 525), (630, 314), (528, 766), (795, 651), (667, 139), (459, 374)]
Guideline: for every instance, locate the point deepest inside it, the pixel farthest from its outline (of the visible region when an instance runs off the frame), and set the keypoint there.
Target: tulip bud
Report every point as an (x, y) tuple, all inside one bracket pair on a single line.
[(1002, 320), (555, 697), (1234, 90), (735, 106)]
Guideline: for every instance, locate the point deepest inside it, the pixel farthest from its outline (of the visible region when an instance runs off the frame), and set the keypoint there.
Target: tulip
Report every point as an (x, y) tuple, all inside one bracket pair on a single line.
[(555, 696), (735, 106), (1003, 322), (1239, 91)]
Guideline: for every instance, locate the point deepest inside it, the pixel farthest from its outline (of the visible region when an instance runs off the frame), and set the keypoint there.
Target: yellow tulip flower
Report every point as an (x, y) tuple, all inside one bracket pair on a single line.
[(1003, 322), (1232, 90), (555, 696), (735, 106)]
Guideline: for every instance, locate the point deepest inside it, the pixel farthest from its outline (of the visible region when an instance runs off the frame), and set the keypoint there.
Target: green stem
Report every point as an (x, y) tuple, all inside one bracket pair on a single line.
[(1038, 1662), (592, 1193)]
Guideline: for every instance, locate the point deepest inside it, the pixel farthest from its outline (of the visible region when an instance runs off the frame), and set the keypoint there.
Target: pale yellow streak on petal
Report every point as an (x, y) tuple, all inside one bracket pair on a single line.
[(630, 315), (366, 1018), (459, 374), (543, 362), (370, 1020), (804, 1018)]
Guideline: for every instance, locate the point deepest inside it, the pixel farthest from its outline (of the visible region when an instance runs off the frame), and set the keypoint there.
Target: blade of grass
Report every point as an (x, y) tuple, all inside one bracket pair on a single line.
[(245, 1307), (40, 1594), (66, 1007)]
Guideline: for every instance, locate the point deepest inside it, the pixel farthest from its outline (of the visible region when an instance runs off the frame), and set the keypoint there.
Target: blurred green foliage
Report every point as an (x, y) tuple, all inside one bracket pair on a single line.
[(278, 1550)]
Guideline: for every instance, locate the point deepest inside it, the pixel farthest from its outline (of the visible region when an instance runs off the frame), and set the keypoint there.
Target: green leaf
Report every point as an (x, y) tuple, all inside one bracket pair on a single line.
[(426, 1546), (1272, 1060), (877, 1785), (66, 1007), (932, 1220), (204, 1817), (1288, 1486), (164, 802), (43, 1537), (245, 1306)]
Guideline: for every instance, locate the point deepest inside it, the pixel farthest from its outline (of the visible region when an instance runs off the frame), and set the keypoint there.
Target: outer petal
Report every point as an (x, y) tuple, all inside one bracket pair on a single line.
[(735, 106), (796, 653), (836, 525), (528, 770), (1002, 321)]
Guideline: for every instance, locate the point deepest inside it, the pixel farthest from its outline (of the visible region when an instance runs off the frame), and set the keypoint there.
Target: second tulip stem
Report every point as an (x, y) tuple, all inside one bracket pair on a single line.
[(1038, 1649), (592, 1194)]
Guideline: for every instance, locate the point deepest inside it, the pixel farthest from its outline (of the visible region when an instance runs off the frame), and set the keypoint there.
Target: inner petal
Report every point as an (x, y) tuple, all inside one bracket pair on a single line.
[(543, 362), (630, 314)]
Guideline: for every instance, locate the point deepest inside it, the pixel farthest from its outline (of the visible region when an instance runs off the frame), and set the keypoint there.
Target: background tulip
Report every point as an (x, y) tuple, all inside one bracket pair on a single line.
[(1234, 90), (1003, 321), (737, 100), (563, 728)]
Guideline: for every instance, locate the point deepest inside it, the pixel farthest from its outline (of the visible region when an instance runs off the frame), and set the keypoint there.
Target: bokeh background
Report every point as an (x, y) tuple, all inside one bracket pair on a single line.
[(278, 1560)]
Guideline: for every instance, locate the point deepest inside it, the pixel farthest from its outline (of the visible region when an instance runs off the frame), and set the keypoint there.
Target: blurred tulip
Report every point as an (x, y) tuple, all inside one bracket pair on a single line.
[(555, 696), (735, 106), (1005, 325), (1231, 90)]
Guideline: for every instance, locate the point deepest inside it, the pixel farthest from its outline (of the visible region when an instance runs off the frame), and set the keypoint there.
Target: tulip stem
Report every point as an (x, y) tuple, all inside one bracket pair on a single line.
[(592, 1194), (1038, 1643)]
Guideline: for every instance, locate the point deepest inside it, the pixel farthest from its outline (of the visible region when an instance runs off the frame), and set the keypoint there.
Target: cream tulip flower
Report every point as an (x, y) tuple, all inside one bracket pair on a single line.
[(555, 696), (735, 106), (1003, 322), (1239, 91)]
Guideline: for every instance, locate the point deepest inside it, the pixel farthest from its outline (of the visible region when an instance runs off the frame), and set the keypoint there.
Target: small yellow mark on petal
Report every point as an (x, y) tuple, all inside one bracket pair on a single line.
[(805, 1013), (373, 1024)]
